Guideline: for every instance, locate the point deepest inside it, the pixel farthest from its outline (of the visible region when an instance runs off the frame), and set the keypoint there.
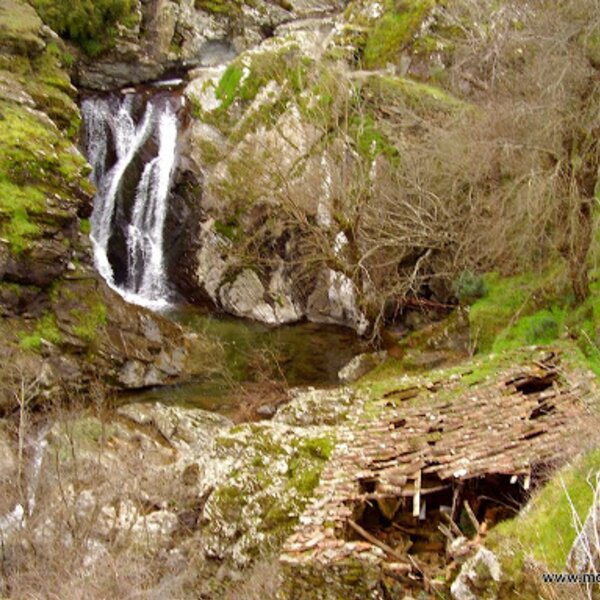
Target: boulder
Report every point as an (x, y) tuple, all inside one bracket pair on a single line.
[(479, 577), (361, 365)]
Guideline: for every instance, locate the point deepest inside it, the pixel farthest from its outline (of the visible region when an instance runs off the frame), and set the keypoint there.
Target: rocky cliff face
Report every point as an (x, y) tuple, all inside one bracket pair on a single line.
[(62, 329), (294, 142), (170, 37)]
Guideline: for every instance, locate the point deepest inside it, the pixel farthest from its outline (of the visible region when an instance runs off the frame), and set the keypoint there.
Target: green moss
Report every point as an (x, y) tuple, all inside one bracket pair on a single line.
[(36, 162), (394, 30), (92, 26), (85, 226), (370, 141), (228, 85), (246, 77), (31, 152), (545, 529), (219, 7), (422, 97), (19, 229), (46, 329), (306, 465)]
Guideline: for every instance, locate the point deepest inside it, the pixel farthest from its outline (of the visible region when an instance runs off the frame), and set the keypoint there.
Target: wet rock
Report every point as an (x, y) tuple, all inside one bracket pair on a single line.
[(40, 264), (478, 578)]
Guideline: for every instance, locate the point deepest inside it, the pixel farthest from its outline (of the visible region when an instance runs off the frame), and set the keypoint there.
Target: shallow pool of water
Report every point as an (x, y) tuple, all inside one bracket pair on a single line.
[(303, 354)]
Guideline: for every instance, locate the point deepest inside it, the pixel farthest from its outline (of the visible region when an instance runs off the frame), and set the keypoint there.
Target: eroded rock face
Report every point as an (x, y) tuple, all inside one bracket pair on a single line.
[(240, 160)]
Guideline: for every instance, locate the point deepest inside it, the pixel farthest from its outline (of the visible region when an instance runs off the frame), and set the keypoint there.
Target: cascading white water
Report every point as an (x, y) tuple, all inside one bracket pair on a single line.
[(111, 120)]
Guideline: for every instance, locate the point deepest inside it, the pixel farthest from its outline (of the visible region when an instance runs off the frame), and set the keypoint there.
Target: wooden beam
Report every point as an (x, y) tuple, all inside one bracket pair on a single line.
[(471, 515), (373, 540)]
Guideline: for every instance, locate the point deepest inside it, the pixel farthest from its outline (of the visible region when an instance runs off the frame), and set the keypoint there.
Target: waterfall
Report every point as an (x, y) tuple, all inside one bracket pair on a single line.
[(114, 134)]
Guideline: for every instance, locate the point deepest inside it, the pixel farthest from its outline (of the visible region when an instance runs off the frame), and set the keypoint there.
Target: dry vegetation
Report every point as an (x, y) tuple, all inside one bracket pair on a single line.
[(499, 175)]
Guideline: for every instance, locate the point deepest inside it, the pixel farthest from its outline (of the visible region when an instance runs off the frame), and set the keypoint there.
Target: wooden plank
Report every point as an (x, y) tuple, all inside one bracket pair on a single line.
[(417, 495)]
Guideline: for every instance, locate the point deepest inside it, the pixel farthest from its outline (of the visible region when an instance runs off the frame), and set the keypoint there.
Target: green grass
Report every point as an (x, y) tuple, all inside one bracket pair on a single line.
[(46, 329), (89, 321), (545, 529), (543, 327), (508, 300)]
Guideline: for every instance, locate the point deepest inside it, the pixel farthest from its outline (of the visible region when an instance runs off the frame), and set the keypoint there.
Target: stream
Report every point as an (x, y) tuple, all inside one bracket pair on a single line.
[(259, 359)]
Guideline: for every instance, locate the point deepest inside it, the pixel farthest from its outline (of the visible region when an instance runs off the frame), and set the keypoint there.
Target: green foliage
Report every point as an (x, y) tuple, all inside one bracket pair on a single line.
[(92, 25), (46, 329), (229, 229), (370, 140), (469, 286)]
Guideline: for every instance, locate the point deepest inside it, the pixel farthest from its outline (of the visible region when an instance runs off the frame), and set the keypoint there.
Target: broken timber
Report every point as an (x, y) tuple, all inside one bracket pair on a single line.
[(415, 455)]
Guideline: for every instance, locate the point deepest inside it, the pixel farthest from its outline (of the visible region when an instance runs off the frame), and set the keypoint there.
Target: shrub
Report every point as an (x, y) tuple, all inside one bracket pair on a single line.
[(469, 286)]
